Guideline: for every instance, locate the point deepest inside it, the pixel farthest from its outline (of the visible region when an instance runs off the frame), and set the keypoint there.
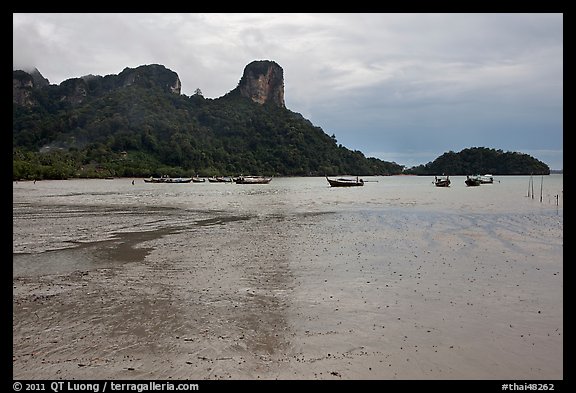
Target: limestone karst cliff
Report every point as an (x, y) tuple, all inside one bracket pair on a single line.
[(22, 84), (138, 123), (263, 82), (76, 90)]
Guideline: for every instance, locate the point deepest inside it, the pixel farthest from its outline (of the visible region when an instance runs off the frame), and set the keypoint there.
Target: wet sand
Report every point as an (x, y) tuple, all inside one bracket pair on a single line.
[(382, 294)]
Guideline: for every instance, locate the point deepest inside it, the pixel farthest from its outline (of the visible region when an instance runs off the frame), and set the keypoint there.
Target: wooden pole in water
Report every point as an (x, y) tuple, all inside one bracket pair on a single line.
[(532, 186), (541, 182)]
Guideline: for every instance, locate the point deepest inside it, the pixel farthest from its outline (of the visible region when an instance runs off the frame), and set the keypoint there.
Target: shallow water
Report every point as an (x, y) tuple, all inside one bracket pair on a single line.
[(56, 214)]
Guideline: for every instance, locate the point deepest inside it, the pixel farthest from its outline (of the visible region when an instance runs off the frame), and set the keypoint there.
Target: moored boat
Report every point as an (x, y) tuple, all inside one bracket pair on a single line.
[(252, 180), (345, 182), (166, 179), (472, 181), (442, 181), (486, 179), (220, 179)]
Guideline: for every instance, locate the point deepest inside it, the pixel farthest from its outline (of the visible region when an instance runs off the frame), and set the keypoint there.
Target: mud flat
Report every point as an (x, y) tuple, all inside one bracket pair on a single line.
[(396, 280), (364, 294)]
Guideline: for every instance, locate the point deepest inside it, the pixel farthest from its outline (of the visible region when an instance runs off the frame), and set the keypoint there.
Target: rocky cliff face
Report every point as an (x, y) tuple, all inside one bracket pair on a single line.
[(39, 80), (22, 84), (76, 90), (263, 82), (151, 75), (73, 91)]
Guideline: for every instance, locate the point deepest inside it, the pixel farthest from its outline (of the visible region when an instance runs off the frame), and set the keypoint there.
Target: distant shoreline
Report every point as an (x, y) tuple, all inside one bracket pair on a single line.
[(552, 172)]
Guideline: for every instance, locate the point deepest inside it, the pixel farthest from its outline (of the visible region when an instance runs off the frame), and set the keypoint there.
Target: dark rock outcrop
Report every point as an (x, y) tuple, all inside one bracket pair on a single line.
[(23, 82), (39, 80), (153, 75), (75, 90), (22, 85)]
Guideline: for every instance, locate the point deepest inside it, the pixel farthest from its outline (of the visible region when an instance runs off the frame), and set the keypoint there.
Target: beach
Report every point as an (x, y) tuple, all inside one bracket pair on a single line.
[(239, 283)]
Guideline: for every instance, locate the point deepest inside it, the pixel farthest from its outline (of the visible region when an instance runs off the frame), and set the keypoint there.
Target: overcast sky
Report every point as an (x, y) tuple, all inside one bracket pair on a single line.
[(400, 87)]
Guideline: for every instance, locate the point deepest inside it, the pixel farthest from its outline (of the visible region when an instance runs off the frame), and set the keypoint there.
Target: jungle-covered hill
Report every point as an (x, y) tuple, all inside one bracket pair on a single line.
[(481, 160), (137, 123)]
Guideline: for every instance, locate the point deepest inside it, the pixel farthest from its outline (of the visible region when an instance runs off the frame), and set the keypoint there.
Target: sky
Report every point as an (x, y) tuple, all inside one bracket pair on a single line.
[(402, 87)]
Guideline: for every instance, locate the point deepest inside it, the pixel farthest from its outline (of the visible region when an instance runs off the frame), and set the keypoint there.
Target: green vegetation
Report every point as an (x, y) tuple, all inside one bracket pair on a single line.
[(133, 125), (481, 160), (96, 128)]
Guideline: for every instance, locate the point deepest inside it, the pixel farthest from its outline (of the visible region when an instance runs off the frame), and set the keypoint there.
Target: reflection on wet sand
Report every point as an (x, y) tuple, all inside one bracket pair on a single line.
[(203, 301), (119, 248)]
